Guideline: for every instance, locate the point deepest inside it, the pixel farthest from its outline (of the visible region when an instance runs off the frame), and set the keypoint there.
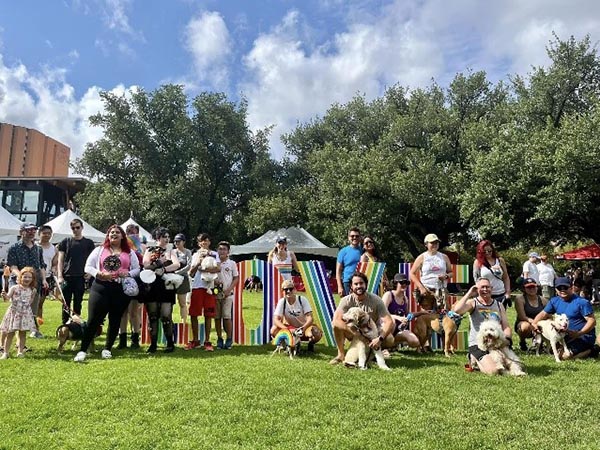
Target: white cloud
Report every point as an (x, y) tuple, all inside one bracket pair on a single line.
[(46, 102), (289, 79), (207, 39)]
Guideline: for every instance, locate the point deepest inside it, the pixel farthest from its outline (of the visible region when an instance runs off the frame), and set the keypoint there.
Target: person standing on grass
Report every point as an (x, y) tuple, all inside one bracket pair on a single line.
[(25, 253), (294, 311), (530, 269), (433, 266), (108, 264), (184, 255), (228, 279), (347, 259), (488, 264), (582, 321), (547, 277), (528, 306), (371, 304), (280, 255), (72, 255), (371, 254), (202, 301), (481, 306), (50, 256), (158, 299), (19, 317)]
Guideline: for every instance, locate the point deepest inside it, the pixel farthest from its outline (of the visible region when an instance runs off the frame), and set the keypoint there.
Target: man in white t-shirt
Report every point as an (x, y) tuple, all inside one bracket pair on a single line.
[(228, 278), (530, 269), (547, 276), (294, 311)]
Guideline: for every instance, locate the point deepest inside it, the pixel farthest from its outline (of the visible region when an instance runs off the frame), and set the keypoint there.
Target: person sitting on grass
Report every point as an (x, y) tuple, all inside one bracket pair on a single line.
[(582, 321), (481, 306), (371, 304), (294, 311), (527, 306), (397, 305)]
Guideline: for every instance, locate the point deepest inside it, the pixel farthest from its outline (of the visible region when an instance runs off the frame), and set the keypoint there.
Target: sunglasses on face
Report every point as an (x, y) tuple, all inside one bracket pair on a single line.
[(369, 242), (354, 236), (288, 289), (562, 288)]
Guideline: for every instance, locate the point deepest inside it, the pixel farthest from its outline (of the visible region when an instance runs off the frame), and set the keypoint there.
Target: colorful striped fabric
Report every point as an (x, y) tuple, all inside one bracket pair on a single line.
[(316, 282), (181, 332), (271, 279), (285, 270), (374, 272)]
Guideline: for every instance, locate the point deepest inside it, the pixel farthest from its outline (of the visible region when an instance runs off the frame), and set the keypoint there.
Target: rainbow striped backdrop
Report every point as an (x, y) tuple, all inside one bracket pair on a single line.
[(374, 272), (460, 274)]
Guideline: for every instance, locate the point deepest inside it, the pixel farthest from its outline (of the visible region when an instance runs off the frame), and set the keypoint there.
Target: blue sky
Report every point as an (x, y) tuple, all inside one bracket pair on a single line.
[(289, 59)]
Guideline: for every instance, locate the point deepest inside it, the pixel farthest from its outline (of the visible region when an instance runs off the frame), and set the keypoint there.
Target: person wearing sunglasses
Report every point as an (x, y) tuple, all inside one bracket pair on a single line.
[(431, 270), (396, 303), (347, 259), (294, 311), (73, 252), (488, 264), (581, 335)]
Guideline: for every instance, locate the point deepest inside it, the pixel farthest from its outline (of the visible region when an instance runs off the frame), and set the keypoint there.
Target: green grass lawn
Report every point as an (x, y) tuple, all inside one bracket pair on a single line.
[(244, 398)]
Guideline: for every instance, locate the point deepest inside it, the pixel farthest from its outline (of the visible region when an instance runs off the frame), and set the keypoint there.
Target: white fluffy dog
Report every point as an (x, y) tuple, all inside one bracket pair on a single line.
[(553, 331), (209, 262), (491, 338), (172, 280), (366, 330)]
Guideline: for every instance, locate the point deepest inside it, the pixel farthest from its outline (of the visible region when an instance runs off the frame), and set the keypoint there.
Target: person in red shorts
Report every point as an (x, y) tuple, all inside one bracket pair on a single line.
[(202, 301)]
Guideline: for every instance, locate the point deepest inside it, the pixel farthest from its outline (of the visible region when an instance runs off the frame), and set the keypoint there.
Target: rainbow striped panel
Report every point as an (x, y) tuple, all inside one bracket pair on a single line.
[(374, 272), (461, 273), (271, 278), (181, 332), (285, 270), (316, 282)]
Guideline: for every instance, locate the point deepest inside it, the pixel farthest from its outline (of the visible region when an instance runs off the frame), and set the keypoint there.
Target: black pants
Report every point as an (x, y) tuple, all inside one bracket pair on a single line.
[(165, 312), (106, 298), (73, 289)]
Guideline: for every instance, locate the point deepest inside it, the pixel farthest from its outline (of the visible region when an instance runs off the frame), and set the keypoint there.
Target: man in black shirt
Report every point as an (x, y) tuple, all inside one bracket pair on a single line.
[(72, 255)]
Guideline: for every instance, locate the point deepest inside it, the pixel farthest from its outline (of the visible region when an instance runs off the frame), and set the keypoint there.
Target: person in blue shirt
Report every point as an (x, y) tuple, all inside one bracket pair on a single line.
[(347, 259), (582, 322)]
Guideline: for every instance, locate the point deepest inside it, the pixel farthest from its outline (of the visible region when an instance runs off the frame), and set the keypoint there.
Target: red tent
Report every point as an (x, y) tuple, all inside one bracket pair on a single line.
[(581, 254)]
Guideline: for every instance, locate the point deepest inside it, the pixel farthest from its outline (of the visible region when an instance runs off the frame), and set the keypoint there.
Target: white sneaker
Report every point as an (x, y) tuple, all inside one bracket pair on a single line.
[(106, 354), (20, 355), (80, 357), (32, 334), (4, 356)]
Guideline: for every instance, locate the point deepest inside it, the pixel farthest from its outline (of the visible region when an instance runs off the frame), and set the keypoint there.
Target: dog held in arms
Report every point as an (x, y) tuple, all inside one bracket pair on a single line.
[(365, 331), (491, 338), (553, 331), (444, 323)]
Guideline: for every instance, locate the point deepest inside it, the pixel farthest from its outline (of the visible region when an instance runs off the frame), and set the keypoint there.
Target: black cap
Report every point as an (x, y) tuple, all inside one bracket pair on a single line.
[(179, 237)]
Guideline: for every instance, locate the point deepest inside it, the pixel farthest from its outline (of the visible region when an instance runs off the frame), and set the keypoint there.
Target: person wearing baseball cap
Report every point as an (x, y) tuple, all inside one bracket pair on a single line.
[(581, 335), (432, 269), (530, 269), (294, 311), (528, 305), (281, 256)]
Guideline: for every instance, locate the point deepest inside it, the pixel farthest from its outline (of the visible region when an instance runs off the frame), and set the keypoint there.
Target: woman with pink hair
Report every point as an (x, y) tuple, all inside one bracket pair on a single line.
[(489, 265)]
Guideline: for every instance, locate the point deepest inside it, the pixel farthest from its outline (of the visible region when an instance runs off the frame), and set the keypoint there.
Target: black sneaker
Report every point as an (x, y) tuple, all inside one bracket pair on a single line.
[(523, 345)]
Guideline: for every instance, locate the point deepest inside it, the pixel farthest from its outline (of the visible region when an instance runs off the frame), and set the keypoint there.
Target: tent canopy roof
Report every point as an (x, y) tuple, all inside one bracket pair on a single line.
[(9, 224), (143, 232), (61, 228), (581, 254), (299, 241)]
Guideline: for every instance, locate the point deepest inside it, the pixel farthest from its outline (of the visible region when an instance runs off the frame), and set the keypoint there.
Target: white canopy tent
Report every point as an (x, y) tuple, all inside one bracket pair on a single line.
[(61, 228), (144, 234), (10, 228), (299, 241)]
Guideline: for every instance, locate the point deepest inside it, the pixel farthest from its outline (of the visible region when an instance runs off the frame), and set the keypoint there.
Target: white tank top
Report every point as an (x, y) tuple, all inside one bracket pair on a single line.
[(277, 261), (48, 254), (433, 266)]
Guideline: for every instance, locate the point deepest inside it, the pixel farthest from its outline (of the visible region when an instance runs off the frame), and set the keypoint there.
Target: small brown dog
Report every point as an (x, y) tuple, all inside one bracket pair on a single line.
[(72, 331), (437, 321)]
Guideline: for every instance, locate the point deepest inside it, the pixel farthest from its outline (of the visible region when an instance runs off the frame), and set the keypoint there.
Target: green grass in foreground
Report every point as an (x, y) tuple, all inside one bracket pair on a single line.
[(244, 398)]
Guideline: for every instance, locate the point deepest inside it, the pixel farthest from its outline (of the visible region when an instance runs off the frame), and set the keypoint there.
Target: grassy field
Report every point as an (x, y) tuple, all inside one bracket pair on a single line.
[(246, 399)]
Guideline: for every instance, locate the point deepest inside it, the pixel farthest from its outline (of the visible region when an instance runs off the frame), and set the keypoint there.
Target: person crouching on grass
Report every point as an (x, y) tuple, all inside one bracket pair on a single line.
[(295, 311), (228, 278), (19, 315)]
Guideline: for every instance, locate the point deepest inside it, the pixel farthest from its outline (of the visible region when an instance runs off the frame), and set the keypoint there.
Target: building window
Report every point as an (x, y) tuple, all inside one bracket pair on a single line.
[(31, 200)]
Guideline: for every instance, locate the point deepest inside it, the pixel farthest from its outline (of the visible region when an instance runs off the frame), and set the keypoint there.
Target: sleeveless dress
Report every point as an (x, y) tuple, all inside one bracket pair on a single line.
[(19, 316)]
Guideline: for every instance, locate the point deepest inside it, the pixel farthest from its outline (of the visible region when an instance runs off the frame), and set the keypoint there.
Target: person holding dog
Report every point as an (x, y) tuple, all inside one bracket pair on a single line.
[(432, 269), (369, 303), (528, 306), (347, 259), (108, 264), (158, 299), (294, 311), (488, 264), (582, 321), (481, 306), (397, 305)]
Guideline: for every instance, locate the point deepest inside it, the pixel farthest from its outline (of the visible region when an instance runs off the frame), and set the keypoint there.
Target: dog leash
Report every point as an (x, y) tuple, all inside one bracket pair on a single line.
[(66, 307)]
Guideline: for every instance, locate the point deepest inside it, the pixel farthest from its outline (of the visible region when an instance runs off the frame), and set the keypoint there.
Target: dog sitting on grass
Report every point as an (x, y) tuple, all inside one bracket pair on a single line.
[(288, 342), (491, 338), (365, 331)]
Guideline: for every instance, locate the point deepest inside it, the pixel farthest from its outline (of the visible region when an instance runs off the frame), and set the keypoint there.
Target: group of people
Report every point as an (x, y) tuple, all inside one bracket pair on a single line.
[(37, 269)]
